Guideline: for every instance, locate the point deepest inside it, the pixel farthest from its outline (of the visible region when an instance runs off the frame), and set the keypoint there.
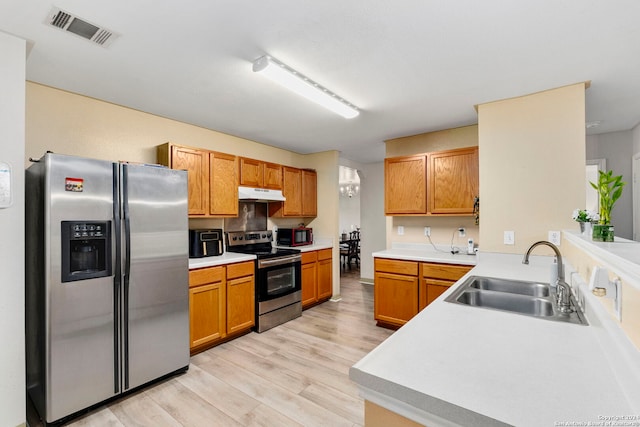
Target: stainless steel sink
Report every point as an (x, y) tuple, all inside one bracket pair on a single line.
[(531, 299), (513, 287)]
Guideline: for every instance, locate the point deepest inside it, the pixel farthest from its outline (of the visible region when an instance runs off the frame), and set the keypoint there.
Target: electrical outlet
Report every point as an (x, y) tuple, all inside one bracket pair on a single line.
[(554, 237), (427, 231), (400, 230), (461, 232), (509, 238)]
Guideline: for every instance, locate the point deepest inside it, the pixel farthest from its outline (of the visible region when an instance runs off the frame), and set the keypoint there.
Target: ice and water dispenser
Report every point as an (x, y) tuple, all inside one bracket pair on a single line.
[(86, 250)]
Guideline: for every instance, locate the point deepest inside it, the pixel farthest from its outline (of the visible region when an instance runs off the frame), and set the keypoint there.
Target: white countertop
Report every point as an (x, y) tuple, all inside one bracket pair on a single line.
[(225, 258), (231, 257), (425, 253), (308, 248), (461, 365)]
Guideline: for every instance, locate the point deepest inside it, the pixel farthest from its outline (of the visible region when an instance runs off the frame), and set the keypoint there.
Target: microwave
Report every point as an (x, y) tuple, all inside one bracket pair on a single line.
[(203, 243), (295, 236)]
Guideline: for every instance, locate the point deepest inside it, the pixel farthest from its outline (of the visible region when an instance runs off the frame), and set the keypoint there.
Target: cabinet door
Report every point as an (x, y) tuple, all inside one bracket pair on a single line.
[(309, 275), (405, 185), (196, 163), (206, 308), (273, 176), (325, 277), (251, 173), (437, 278), (240, 304), (453, 181), (395, 298), (309, 193), (430, 289), (292, 190), (223, 185)]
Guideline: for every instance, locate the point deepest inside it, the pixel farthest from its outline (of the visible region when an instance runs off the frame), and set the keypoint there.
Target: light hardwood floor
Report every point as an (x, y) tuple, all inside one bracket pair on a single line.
[(292, 375)]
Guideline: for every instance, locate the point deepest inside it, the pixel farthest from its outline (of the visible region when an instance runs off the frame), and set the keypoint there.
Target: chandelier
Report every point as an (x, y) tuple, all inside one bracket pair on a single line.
[(349, 190)]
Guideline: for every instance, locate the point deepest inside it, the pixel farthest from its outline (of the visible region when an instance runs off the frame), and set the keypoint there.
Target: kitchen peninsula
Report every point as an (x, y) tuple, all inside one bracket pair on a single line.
[(462, 365)]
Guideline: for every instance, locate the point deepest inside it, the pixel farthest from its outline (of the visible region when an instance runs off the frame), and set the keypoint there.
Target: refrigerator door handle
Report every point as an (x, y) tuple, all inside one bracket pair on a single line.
[(127, 271), (117, 285)]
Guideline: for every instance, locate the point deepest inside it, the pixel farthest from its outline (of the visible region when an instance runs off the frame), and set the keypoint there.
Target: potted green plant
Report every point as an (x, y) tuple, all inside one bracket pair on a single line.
[(609, 190), (586, 218)]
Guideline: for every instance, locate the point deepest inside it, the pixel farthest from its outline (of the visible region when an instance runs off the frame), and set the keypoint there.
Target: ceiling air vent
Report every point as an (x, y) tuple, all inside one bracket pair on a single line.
[(67, 22)]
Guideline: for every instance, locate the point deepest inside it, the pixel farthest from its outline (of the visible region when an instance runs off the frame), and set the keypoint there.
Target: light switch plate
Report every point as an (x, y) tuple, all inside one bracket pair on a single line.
[(509, 238)]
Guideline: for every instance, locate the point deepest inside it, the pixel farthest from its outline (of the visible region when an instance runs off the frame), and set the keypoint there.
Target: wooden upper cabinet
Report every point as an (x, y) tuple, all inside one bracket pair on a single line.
[(223, 184), (453, 181), (436, 183), (251, 173), (272, 176), (309, 193), (292, 191), (405, 182), (259, 174), (196, 163), (300, 189), (212, 179)]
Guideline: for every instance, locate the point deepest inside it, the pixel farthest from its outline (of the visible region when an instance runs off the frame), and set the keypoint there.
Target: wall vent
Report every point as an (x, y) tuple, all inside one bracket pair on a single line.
[(68, 22)]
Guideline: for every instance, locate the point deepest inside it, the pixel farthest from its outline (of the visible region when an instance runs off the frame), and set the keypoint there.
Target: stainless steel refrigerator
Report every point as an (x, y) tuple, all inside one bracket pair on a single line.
[(107, 303)]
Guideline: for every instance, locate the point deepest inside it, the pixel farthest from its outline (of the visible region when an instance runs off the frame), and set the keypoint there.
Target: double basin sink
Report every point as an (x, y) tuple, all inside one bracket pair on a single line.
[(532, 299)]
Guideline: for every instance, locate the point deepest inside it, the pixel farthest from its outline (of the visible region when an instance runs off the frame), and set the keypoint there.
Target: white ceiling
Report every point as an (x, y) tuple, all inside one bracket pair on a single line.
[(411, 66)]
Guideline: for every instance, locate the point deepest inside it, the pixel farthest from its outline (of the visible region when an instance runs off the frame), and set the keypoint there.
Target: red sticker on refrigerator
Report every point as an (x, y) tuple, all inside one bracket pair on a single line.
[(73, 184)]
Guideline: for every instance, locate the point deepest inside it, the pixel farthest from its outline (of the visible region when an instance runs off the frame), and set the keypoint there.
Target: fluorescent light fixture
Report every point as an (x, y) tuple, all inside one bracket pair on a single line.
[(296, 82)]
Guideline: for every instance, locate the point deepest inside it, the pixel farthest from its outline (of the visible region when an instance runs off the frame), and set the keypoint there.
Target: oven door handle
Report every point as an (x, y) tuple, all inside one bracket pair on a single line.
[(278, 261)]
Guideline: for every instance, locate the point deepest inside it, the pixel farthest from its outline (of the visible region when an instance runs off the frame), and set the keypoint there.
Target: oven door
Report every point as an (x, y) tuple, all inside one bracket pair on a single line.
[(277, 277)]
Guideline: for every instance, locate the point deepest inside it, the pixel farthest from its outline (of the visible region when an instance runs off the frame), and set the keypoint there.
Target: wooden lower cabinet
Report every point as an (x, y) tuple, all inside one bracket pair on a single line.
[(206, 306), (395, 291), (437, 278), (317, 277), (221, 304), (404, 288), (325, 274), (241, 298)]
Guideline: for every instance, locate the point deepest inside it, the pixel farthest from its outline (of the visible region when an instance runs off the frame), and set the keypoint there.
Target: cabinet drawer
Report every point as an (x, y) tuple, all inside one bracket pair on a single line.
[(203, 276), (311, 256), (241, 269), (444, 271), (394, 266), (325, 254)]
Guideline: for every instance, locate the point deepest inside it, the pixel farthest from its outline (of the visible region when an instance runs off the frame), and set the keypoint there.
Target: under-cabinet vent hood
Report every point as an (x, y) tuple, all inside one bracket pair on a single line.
[(260, 194)]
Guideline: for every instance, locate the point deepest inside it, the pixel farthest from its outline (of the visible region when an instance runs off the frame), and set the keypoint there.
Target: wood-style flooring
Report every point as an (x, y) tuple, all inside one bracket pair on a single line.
[(296, 374)]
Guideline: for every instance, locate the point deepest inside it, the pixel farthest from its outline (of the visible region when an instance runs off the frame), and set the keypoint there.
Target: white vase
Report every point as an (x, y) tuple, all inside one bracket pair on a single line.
[(586, 229)]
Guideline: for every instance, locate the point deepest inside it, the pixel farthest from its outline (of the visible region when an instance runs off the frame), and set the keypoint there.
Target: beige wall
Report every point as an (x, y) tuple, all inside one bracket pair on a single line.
[(442, 228), (584, 264), (68, 123), (532, 166)]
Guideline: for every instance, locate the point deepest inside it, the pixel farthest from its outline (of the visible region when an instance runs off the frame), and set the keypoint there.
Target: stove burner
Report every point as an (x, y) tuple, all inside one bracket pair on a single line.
[(256, 243)]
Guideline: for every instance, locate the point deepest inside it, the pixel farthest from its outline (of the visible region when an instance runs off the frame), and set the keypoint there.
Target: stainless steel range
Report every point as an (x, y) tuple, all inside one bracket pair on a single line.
[(278, 277)]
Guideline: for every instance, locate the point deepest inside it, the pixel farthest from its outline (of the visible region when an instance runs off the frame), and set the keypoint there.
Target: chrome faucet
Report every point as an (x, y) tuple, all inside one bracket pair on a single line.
[(563, 290)]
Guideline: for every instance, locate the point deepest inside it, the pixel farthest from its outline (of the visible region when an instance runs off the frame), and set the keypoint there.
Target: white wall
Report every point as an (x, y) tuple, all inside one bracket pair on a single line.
[(618, 149), (349, 213), (372, 216), (12, 119), (636, 138)]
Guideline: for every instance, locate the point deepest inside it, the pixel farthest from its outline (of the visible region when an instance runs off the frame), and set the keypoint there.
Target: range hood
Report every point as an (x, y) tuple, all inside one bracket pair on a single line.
[(260, 194)]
